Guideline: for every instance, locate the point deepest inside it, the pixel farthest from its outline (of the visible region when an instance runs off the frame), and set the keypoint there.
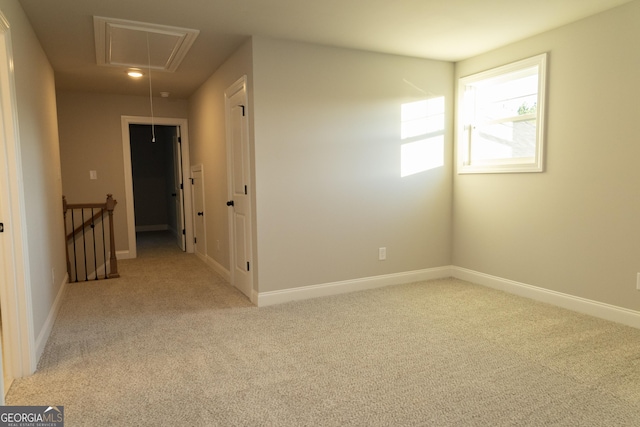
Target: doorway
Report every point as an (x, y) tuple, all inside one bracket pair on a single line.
[(157, 180), (170, 135)]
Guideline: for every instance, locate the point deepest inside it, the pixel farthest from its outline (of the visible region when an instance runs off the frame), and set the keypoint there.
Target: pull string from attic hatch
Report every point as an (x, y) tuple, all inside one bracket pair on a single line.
[(153, 127)]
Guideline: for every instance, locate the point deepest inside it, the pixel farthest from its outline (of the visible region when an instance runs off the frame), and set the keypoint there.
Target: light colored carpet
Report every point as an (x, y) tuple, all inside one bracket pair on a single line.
[(169, 343)]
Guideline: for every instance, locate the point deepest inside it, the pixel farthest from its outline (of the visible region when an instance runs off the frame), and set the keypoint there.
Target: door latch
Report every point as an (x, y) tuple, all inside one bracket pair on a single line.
[(230, 203)]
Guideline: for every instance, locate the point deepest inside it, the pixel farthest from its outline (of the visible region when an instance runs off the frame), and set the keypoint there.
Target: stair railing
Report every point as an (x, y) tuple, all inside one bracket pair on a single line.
[(86, 249)]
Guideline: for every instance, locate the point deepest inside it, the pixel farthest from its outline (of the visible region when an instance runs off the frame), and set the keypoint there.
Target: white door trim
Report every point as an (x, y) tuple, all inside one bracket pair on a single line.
[(15, 285), (201, 239), (179, 181), (128, 177)]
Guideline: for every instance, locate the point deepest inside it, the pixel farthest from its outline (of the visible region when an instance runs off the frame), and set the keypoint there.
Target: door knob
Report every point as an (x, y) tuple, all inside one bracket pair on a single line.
[(230, 203), (200, 213)]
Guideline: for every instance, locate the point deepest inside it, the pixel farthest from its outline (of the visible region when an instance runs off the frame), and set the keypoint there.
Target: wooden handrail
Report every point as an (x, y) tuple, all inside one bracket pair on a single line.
[(109, 206), (86, 224)]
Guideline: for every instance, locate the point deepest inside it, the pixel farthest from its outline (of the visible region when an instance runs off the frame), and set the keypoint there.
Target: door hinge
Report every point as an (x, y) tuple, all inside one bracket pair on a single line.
[(1, 227), (248, 269), (192, 180), (242, 106), (179, 140), (183, 231), (181, 186), (195, 240), (245, 190)]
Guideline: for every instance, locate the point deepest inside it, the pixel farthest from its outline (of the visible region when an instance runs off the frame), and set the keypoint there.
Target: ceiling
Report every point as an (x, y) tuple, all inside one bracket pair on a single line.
[(448, 30)]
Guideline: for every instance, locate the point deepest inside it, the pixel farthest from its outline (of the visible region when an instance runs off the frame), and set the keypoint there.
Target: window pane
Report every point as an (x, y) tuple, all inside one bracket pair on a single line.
[(507, 98), (506, 140)]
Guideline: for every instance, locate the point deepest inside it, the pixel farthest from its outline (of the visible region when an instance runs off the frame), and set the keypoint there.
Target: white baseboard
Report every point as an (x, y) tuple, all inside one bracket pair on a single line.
[(582, 305), (335, 288), (215, 266), (45, 332), (155, 227), (570, 302), (123, 254)]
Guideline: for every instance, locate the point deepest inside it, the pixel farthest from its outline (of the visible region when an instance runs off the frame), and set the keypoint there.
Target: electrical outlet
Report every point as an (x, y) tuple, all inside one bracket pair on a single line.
[(382, 254)]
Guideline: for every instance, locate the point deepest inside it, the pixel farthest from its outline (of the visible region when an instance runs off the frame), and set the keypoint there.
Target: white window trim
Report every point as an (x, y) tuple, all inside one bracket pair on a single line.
[(534, 164)]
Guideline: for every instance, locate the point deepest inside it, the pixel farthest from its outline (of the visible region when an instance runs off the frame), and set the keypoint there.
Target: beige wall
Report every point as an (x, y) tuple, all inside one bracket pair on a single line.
[(208, 146), (38, 141), (91, 139), (576, 227), (327, 159)]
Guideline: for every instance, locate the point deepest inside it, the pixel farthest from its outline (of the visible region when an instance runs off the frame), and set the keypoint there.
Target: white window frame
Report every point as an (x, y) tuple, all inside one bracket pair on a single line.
[(466, 121)]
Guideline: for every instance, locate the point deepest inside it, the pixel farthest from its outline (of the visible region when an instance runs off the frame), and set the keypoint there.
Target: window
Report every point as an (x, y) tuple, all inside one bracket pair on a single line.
[(502, 115)]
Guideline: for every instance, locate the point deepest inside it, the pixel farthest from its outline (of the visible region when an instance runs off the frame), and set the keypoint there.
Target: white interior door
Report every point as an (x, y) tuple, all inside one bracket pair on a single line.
[(5, 378), (197, 189), (8, 239), (239, 171), (178, 188), (7, 262)]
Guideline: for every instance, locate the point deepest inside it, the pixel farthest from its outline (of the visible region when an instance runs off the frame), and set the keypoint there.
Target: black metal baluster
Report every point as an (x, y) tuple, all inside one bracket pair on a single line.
[(95, 254), (73, 236), (104, 246), (84, 245)]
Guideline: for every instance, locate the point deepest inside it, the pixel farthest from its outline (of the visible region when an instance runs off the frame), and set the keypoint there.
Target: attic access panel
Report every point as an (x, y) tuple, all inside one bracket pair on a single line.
[(141, 45)]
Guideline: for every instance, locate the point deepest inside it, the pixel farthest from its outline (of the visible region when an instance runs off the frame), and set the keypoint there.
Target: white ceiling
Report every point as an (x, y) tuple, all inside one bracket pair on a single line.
[(448, 30)]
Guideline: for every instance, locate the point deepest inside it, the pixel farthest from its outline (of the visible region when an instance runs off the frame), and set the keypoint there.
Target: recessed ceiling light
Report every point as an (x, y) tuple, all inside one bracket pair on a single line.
[(136, 74)]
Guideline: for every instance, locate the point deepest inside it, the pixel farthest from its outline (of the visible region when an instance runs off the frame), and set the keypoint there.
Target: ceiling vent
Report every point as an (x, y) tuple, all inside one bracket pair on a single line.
[(123, 43)]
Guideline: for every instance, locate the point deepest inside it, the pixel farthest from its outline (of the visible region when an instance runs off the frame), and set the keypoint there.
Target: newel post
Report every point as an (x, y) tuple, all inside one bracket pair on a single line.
[(111, 204)]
